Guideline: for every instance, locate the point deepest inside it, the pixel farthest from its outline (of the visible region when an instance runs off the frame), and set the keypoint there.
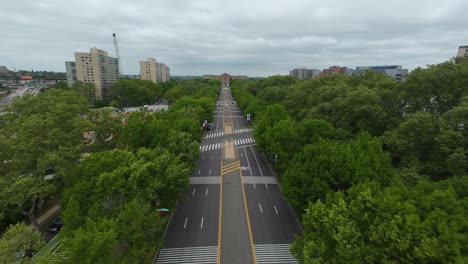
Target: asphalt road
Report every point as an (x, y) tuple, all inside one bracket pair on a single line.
[(256, 213)]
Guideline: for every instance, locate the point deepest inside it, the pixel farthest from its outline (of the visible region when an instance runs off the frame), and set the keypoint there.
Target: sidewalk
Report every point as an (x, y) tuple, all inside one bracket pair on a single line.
[(51, 213)]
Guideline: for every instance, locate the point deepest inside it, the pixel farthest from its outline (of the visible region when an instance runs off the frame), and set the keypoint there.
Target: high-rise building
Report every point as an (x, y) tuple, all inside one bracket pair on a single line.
[(395, 71), (70, 67), (462, 51), (95, 67), (154, 71), (304, 73), (148, 69), (165, 73)]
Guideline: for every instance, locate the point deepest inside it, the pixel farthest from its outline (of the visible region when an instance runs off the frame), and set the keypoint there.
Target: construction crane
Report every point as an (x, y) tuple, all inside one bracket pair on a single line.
[(117, 54)]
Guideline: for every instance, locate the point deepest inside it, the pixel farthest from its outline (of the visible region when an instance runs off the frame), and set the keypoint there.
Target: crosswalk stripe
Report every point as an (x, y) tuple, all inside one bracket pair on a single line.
[(195, 255), (274, 253)]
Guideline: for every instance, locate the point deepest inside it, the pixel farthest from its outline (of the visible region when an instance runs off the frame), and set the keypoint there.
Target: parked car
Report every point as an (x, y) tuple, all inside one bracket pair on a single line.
[(55, 226)]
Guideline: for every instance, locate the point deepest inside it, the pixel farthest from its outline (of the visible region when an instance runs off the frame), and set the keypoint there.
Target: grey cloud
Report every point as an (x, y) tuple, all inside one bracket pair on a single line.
[(257, 38)]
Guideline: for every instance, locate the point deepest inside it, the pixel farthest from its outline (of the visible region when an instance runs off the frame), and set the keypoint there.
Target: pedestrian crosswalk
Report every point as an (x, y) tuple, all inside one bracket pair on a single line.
[(211, 147), (244, 141), (274, 253), (188, 255), (237, 142), (243, 130), (214, 134)]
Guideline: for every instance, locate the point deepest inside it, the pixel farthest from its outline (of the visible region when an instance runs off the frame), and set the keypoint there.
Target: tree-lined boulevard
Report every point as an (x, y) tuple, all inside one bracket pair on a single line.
[(336, 169)]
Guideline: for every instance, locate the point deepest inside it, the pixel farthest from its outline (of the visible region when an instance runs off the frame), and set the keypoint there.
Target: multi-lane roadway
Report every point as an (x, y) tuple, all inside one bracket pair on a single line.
[(234, 211)]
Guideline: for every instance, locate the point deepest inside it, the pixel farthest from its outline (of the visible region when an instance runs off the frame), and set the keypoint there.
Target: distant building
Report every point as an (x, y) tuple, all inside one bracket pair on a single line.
[(154, 71), (462, 51), (148, 69), (165, 73), (225, 78), (334, 70), (395, 71), (70, 67), (304, 73), (95, 67), (4, 69)]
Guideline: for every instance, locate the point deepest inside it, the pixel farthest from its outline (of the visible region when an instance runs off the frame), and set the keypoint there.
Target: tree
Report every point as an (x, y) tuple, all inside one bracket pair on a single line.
[(61, 85), (17, 243), (372, 224), (92, 243), (268, 118), (135, 92), (334, 166), (43, 136), (184, 146), (85, 89)]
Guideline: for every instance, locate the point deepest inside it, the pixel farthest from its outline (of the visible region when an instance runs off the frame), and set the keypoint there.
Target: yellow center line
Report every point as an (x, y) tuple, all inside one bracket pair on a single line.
[(248, 220)]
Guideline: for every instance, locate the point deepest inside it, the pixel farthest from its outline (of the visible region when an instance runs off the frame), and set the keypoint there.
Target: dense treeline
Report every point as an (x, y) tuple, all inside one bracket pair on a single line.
[(111, 176), (377, 170)]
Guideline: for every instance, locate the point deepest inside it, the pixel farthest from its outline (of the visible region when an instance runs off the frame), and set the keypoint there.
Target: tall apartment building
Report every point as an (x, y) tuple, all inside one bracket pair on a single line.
[(154, 71), (165, 73), (462, 51), (70, 67), (304, 73), (395, 71), (95, 67), (148, 69)]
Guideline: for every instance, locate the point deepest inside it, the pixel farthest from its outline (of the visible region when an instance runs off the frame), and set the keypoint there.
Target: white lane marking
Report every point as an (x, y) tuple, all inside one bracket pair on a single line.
[(201, 225), (242, 155), (266, 185), (203, 157), (255, 187), (206, 193), (255, 156), (261, 210), (248, 163), (185, 224), (209, 173), (209, 147), (193, 193), (200, 147), (218, 146), (198, 172), (275, 210)]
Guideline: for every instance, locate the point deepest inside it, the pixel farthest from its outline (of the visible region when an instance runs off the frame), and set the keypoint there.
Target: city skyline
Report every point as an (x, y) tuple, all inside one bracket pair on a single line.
[(255, 39)]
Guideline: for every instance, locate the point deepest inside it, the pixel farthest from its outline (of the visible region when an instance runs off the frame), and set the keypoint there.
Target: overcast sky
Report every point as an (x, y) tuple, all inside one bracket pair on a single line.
[(255, 38)]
